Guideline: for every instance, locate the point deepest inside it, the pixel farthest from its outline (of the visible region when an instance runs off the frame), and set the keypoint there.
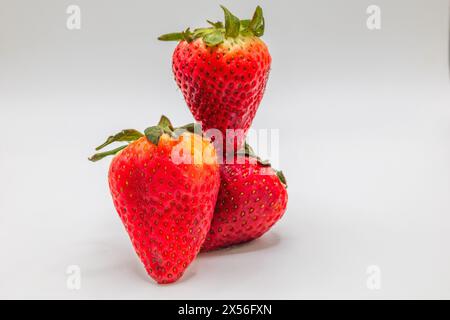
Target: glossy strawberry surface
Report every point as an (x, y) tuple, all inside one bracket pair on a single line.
[(222, 71), (165, 207), (252, 198), (223, 85)]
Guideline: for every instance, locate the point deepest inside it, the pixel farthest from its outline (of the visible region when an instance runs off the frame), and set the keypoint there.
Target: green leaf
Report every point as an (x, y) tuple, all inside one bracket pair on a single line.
[(217, 25), (164, 122), (153, 134), (176, 36), (249, 152), (264, 163), (282, 177), (256, 26), (124, 135), (202, 32), (214, 38), (245, 23), (187, 34), (232, 24), (99, 156), (192, 128)]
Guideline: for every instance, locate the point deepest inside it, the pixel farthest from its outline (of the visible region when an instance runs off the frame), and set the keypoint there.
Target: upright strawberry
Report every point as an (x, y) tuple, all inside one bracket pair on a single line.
[(164, 185), (252, 198), (222, 72)]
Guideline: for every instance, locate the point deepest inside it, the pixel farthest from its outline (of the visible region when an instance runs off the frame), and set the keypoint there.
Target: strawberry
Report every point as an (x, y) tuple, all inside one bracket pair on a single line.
[(252, 198), (164, 185), (222, 72)]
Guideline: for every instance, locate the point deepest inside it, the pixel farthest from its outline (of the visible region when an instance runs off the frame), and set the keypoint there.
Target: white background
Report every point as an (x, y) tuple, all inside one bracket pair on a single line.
[(364, 127)]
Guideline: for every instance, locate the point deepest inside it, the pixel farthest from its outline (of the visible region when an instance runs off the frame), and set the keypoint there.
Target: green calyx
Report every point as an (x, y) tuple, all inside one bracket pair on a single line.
[(153, 134), (218, 32), (248, 151), (127, 135)]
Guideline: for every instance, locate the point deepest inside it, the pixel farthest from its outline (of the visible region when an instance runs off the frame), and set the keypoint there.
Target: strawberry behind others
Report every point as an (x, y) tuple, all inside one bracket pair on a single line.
[(252, 198)]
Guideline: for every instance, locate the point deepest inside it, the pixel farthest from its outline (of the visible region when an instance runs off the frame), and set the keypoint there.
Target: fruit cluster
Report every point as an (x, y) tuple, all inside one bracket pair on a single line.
[(174, 194)]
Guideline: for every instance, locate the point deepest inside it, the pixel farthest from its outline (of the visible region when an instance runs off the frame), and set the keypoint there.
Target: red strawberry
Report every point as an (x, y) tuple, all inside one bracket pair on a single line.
[(252, 198), (166, 206), (222, 72)]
